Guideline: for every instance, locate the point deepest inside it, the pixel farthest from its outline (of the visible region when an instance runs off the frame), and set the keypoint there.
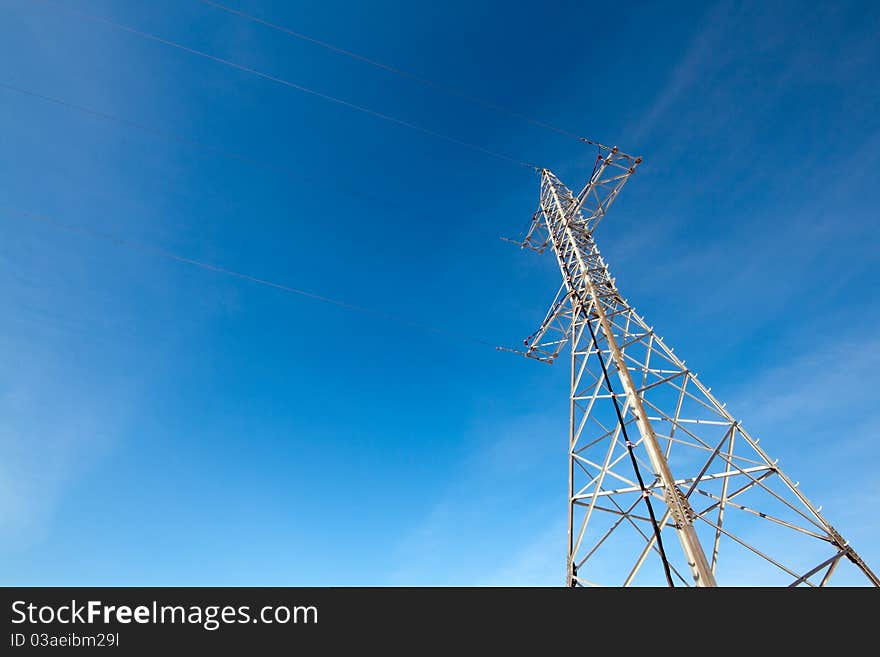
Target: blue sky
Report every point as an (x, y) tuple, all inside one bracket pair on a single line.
[(163, 424)]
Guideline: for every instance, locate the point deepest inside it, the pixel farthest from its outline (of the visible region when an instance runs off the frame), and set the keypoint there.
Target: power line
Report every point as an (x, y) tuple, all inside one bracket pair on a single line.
[(287, 83), (163, 253), (226, 153), (452, 91), (195, 143), (293, 172)]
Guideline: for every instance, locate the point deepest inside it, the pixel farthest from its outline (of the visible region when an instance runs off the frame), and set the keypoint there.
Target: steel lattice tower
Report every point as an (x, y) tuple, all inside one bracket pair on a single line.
[(646, 434)]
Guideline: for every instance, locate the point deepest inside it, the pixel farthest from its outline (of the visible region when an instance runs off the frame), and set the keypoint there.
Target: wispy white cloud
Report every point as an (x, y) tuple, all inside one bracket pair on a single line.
[(813, 382), (53, 433), (496, 498), (701, 56), (538, 563)]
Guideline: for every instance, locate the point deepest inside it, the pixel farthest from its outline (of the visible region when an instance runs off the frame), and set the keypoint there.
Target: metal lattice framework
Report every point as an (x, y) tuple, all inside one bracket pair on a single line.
[(645, 432)]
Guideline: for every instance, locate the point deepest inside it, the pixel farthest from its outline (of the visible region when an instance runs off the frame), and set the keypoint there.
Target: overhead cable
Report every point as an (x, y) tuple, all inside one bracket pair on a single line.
[(287, 83), (396, 71), (295, 172), (444, 88), (169, 255)]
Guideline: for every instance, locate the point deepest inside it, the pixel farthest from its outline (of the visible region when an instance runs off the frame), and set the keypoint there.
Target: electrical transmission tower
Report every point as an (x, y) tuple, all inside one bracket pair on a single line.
[(665, 485)]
